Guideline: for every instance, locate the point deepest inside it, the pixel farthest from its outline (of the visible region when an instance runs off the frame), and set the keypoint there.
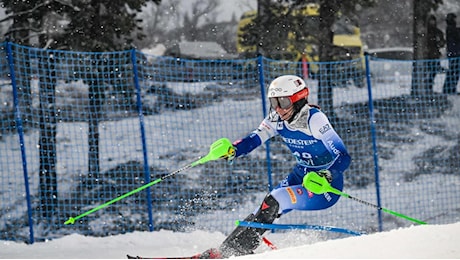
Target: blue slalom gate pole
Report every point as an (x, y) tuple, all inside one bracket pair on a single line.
[(296, 226)]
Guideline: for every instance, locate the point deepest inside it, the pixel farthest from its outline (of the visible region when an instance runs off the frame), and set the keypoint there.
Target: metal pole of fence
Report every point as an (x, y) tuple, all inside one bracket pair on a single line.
[(143, 136), (374, 140), (9, 53), (260, 68)]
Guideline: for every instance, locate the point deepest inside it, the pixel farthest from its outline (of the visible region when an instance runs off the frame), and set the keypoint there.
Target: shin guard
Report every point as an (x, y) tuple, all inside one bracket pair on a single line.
[(243, 240)]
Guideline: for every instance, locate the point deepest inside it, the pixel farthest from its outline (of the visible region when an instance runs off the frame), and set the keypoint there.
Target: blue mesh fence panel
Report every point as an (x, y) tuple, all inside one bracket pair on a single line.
[(95, 126), (452, 75), (417, 145), (191, 105)]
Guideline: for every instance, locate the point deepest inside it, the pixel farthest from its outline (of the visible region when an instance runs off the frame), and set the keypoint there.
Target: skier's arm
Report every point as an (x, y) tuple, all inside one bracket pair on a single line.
[(246, 145), (322, 129)]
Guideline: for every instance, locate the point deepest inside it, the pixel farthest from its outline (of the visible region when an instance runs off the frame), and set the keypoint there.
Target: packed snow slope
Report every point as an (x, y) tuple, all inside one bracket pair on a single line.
[(425, 241)]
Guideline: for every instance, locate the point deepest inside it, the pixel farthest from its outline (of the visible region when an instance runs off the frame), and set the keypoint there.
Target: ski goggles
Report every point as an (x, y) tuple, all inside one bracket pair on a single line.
[(286, 102)]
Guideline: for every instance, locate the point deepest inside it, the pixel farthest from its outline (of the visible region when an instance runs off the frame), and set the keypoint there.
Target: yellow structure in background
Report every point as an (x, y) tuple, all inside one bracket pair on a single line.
[(347, 39)]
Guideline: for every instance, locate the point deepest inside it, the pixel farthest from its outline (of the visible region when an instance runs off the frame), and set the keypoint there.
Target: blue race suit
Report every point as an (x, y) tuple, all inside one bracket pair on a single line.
[(315, 146)]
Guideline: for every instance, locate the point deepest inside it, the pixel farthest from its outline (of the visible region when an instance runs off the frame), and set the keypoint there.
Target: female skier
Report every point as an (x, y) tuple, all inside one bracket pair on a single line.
[(316, 146)]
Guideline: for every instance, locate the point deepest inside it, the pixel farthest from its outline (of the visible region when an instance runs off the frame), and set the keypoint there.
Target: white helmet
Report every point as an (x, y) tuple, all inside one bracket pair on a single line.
[(285, 86)]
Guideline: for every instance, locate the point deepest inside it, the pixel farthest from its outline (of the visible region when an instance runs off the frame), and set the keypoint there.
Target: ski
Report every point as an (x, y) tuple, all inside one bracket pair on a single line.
[(211, 253), (197, 256)]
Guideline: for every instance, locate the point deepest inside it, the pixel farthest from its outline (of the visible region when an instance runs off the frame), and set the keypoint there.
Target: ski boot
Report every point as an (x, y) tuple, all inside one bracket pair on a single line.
[(243, 240)]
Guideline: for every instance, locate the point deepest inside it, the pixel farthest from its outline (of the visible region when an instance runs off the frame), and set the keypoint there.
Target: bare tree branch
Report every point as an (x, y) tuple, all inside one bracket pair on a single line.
[(33, 9)]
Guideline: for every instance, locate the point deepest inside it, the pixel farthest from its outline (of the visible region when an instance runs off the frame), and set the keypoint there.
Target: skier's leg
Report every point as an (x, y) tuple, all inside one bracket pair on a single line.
[(288, 195), (243, 240)]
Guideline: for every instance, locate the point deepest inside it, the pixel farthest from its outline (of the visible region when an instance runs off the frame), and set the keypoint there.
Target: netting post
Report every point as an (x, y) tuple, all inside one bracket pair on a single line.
[(374, 140), (260, 69), (9, 54), (143, 139)]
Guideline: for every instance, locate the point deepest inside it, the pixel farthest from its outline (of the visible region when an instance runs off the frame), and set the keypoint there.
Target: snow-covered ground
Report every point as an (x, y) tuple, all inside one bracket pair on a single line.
[(427, 241)]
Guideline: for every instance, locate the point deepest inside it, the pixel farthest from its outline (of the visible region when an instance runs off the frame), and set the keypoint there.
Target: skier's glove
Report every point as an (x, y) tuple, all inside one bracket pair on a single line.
[(317, 182), (325, 174), (230, 155)]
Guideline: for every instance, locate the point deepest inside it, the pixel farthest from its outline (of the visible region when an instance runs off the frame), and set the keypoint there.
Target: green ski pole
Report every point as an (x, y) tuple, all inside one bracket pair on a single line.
[(221, 148), (319, 185)]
